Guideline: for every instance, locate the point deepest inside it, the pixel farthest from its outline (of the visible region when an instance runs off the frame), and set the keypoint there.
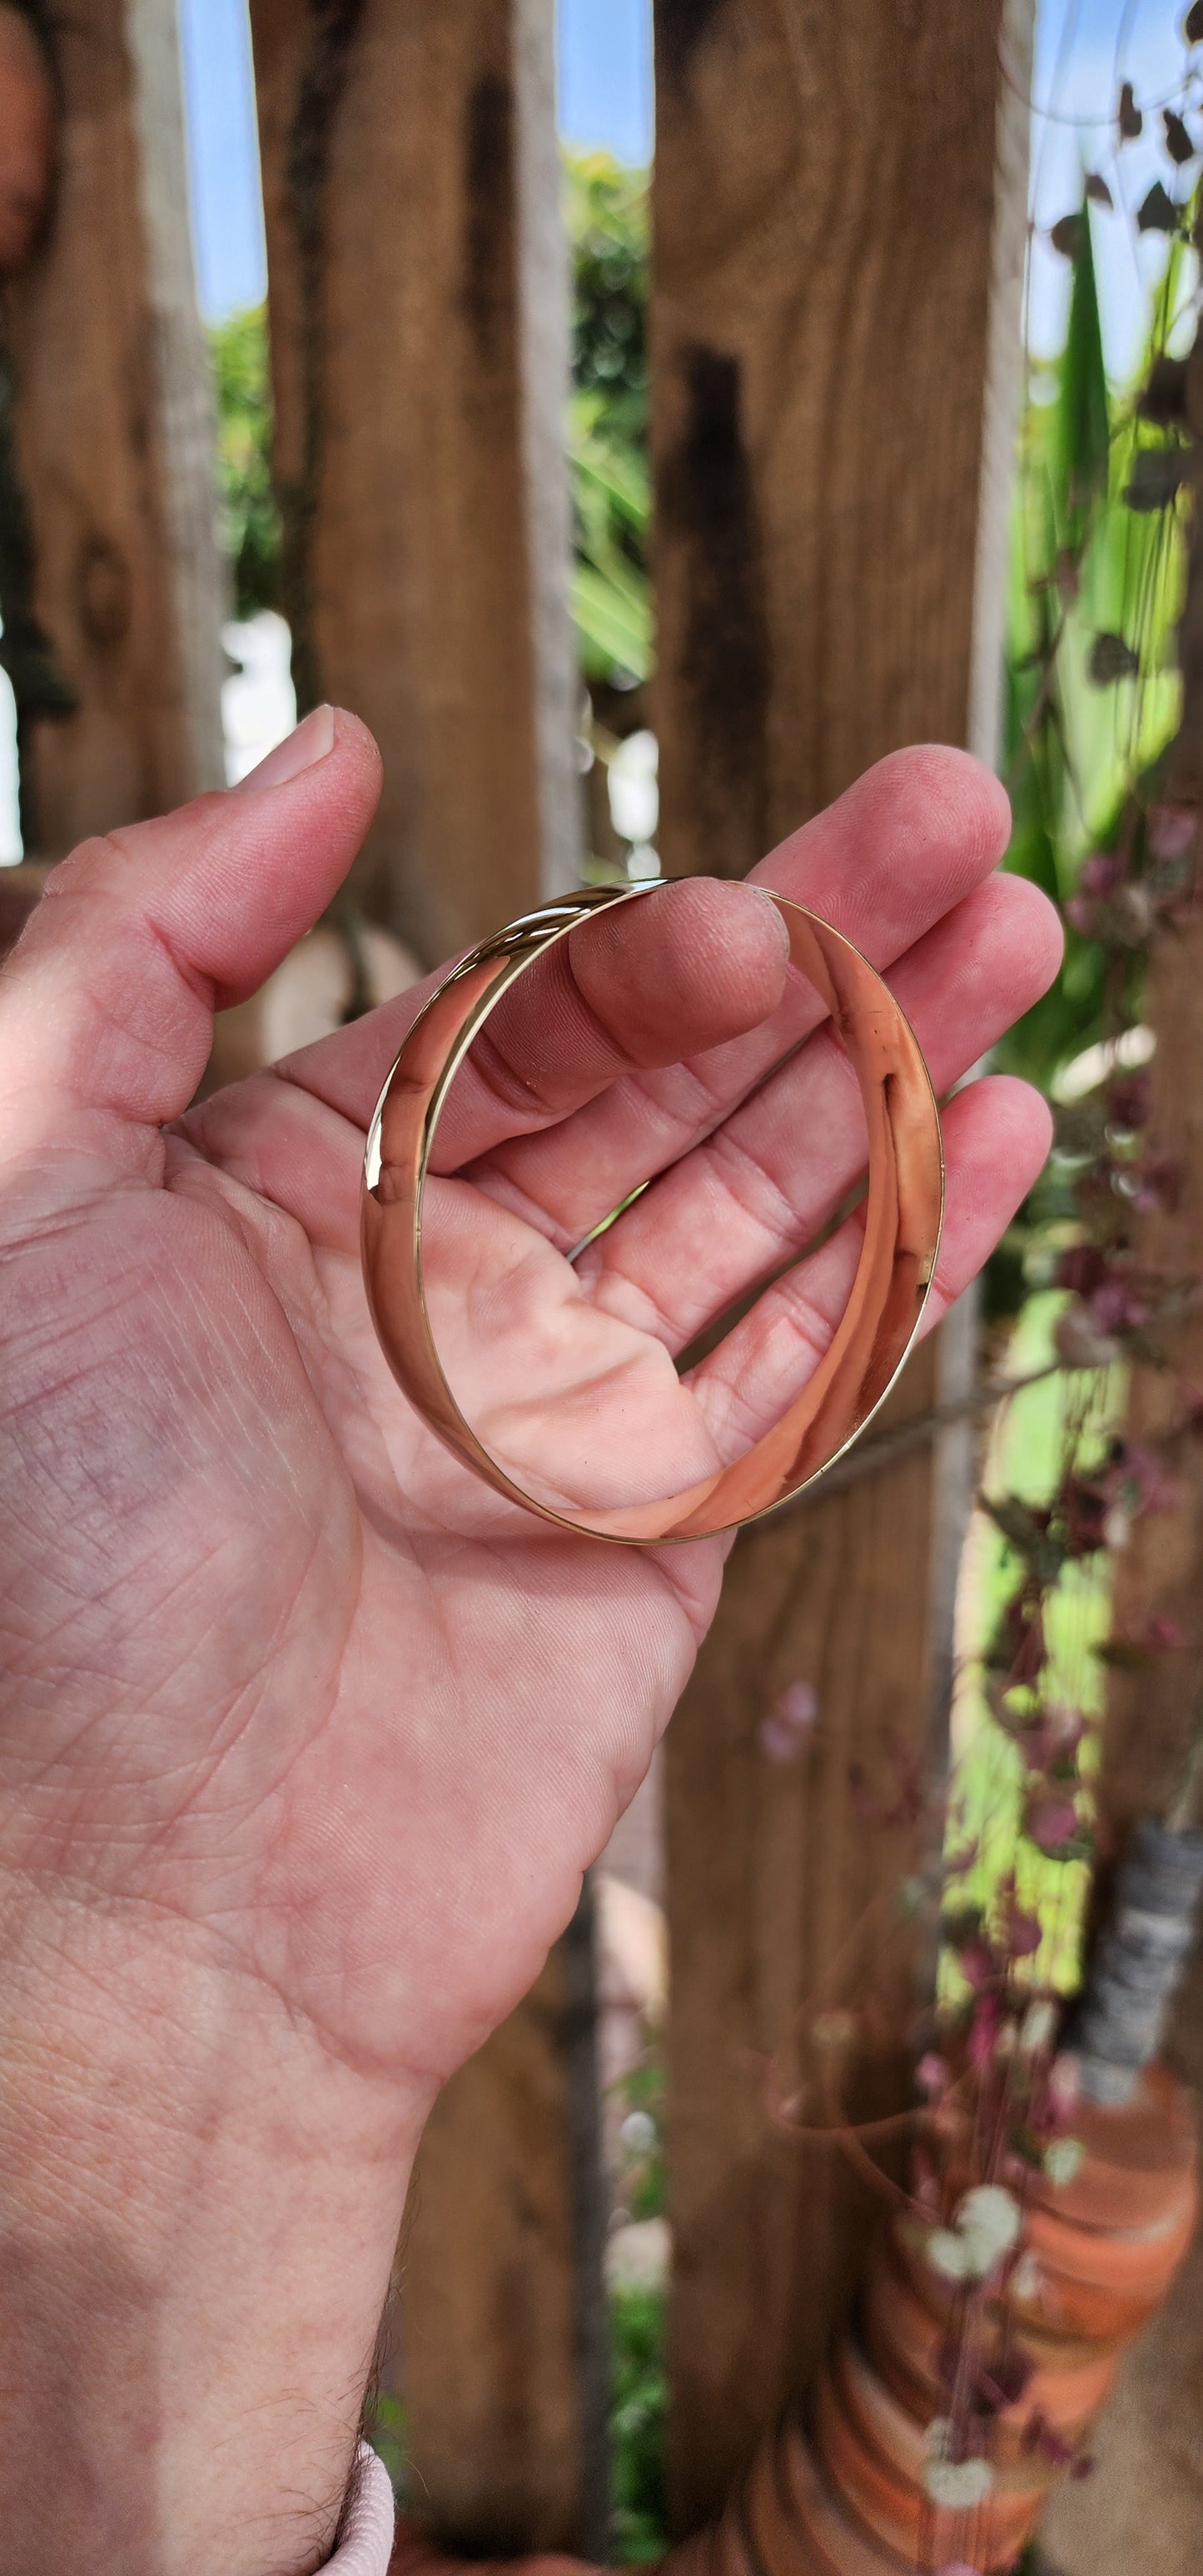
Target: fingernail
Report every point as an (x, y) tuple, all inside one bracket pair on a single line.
[(309, 742)]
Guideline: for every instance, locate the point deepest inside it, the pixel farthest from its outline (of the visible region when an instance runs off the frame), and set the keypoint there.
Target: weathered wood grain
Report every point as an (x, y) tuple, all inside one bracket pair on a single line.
[(418, 305), (835, 298), (419, 345), (486, 2298), (114, 430)]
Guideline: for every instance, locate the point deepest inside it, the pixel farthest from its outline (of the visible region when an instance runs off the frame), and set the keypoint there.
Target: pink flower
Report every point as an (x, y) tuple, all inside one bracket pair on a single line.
[(983, 2031), (790, 1723), (1101, 873), (1021, 1933), (1162, 1636), (1171, 831), (1051, 1823), (1117, 1306), (933, 2075), (978, 1966)]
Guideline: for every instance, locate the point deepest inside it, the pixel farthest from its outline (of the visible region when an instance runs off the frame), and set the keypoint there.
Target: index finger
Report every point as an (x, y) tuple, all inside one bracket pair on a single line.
[(895, 852), (694, 964)]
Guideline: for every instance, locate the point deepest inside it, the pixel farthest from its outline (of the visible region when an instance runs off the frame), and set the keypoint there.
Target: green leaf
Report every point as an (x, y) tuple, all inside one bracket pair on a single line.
[(1081, 442), (614, 630)]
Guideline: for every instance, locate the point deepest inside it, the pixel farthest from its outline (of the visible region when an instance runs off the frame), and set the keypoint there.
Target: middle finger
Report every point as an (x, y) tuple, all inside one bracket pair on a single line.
[(762, 1186)]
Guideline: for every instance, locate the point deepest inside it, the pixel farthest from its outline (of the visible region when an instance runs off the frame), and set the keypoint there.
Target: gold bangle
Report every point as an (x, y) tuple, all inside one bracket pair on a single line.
[(903, 1217)]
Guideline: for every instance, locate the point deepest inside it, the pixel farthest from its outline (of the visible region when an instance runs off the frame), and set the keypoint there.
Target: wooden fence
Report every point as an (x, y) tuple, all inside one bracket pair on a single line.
[(839, 206)]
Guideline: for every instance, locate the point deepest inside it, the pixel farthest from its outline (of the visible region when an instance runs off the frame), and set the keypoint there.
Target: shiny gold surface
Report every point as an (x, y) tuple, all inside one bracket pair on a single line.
[(903, 1217)]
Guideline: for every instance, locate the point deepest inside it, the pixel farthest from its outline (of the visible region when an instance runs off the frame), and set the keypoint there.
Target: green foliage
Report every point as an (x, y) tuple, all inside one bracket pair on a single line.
[(608, 228), (250, 520), (1025, 1465), (638, 2412), (1095, 593), (644, 2182)]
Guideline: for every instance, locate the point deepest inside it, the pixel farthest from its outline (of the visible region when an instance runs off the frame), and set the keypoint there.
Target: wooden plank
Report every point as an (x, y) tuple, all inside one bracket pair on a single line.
[(114, 442), (419, 339), (835, 296), (489, 2311), (418, 302)]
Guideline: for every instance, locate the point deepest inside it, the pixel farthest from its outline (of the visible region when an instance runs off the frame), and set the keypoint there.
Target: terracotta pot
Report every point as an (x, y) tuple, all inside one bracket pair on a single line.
[(875, 2454), (1097, 2282), (1091, 2283), (728, 2546), (1138, 2170), (798, 2526), (1099, 2254), (904, 2341)]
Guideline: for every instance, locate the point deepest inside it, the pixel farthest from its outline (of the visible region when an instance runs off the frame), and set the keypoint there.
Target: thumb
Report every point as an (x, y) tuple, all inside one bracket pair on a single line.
[(107, 1001)]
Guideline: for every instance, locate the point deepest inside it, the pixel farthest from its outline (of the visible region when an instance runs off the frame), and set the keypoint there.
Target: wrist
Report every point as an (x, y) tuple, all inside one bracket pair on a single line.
[(198, 2212)]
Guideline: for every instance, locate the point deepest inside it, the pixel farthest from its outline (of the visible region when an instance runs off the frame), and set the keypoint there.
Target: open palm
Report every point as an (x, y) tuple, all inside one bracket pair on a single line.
[(278, 1662), (291, 1700)]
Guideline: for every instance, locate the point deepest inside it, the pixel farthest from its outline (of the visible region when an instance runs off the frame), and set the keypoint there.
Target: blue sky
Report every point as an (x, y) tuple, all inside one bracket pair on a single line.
[(1084, 47), (605, 97)]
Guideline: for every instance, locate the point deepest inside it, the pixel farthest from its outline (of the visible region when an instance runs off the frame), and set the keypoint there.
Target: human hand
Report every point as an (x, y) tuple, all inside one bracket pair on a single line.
[(306, 1735)]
